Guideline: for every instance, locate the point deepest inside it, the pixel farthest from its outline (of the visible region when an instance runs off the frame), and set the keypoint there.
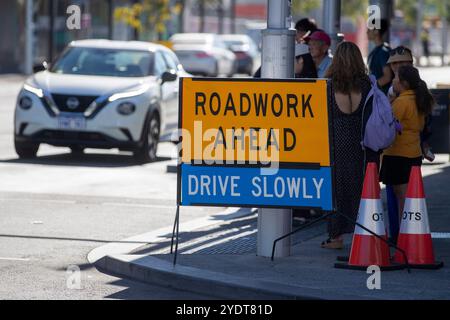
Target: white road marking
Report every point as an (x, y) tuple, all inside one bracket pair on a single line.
[(120, 204), (14, 259), (40, 200)]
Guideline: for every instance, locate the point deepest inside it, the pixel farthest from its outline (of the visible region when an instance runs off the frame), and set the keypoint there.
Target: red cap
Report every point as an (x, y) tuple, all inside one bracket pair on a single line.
[(371, 187), (415, 184), (319, 35)]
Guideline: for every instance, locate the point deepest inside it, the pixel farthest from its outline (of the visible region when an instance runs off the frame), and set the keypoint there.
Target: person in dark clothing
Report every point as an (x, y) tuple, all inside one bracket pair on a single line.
[(379, 56), (306, 68), (304, 63), (303, 59), (351, 85), (304, 28), (425, 38)]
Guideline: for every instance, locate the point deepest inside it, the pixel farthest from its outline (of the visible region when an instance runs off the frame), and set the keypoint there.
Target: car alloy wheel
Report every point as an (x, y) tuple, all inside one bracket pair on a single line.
[(153, 138), (150, 139)]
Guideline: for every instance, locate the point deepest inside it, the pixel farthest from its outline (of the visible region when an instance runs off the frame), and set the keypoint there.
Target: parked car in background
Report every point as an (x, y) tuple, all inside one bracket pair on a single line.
[(204, 54), (246, 51), (101, 94)]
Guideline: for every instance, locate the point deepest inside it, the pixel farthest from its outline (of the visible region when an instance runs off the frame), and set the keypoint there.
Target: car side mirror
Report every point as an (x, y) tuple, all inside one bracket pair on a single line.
[(40, 67), (169, 76)]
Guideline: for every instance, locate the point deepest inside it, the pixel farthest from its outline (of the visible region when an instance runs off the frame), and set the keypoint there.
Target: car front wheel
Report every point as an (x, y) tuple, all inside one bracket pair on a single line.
[(215, 73), (26, 150), (147, 153)]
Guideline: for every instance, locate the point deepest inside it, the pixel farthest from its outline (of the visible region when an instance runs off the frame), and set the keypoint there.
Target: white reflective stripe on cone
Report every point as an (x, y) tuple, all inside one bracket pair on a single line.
[(415, 217), (371, 216)]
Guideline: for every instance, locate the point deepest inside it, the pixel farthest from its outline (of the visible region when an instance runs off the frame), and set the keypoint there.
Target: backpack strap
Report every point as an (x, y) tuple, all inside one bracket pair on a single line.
[(373, 82)]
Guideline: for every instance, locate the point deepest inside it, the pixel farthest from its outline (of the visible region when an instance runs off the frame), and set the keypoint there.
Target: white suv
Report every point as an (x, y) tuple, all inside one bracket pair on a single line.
[(101, 94)]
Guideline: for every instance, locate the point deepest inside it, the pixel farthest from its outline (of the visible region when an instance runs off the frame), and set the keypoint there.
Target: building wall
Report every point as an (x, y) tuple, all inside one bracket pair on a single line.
[(12, 36), (48, 44)]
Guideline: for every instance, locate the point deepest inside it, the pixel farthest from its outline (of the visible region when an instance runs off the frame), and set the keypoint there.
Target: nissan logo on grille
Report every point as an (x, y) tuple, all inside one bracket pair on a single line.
[(72, 103)]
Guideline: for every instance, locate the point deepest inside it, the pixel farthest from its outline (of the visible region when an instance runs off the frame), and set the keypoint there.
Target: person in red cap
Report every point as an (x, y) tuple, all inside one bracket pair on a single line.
[(319, 46)]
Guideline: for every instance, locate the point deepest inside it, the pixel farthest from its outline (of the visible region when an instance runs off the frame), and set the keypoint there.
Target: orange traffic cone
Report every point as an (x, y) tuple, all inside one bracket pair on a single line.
[(415, 237), (368, 249)]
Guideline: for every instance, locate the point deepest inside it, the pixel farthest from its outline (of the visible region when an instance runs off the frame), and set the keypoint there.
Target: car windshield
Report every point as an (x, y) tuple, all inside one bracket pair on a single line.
[(231, 43), (190, 41), (105, 62)]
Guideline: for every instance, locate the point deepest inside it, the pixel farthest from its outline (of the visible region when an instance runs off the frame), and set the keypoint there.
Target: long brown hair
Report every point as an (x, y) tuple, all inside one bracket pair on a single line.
[(347, 68), (424, 99)]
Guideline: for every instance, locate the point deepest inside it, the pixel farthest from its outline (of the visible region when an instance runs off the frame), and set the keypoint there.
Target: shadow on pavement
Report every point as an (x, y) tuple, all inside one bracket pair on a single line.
[(68, 239), (84, 160), (81, 266), (134, 290)]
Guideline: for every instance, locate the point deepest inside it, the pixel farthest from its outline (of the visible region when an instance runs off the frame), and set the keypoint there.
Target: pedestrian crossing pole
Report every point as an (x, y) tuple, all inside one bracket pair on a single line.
[(277, 63), (332, 21), (29, 32)]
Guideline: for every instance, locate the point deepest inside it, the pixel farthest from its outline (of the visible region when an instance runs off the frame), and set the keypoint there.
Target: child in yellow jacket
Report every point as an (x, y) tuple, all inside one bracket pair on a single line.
[(411, 107)]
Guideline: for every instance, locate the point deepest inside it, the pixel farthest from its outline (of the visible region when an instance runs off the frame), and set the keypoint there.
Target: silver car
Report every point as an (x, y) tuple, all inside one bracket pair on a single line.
[(204, 54), (247, 54)]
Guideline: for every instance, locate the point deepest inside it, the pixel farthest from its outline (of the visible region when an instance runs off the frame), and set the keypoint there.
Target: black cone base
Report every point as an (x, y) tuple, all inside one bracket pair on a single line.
[(392, 267)]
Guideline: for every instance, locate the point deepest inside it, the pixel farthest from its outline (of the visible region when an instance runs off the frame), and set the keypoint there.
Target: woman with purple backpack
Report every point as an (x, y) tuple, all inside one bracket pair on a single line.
[(413, 104), (351, 86)]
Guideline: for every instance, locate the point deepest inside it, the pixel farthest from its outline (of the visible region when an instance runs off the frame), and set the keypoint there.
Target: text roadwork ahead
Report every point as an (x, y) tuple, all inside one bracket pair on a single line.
[(279, 105), (284, 121)]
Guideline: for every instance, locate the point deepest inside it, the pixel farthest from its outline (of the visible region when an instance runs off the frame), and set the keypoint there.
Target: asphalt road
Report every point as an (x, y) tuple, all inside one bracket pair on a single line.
[(54, 210)]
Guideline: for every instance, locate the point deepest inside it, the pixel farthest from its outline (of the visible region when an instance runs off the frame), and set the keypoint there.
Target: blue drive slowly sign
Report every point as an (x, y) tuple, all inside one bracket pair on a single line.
[(244, 186)]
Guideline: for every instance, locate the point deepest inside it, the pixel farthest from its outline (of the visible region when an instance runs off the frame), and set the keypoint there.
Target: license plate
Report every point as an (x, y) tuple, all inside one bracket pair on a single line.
[(71, 122)]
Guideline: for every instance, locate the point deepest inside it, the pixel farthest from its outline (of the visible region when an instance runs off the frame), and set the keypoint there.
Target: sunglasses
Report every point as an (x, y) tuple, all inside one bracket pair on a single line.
[(400, 50)]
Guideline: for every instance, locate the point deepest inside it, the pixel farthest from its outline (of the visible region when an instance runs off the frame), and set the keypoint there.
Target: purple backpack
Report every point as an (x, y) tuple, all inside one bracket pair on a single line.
[(381, 127)]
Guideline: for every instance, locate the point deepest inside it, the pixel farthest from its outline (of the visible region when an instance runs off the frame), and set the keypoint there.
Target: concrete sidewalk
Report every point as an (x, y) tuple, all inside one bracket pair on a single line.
[(217, 256)]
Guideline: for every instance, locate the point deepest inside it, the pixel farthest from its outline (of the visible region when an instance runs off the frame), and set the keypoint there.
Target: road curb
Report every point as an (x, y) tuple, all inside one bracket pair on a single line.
[(155, 271)]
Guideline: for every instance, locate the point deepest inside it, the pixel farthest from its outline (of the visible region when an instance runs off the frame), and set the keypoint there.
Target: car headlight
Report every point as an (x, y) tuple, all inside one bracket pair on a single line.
[(128, 94), (126, 108), (25, 103), (38, 92)]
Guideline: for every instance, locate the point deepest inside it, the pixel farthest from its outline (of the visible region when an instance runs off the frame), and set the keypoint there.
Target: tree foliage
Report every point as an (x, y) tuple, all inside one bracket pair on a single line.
[(304, 7), (354, 8), (350, 8), (410, 7), (148, 16)]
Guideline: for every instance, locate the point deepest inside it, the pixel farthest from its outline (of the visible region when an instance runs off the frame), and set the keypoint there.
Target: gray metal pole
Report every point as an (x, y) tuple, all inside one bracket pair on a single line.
[(444, 33), (110, 19), (277, 62), (28, 68), (386, 10), (233, 16), (332, 21), (51, 36), (419, 21)]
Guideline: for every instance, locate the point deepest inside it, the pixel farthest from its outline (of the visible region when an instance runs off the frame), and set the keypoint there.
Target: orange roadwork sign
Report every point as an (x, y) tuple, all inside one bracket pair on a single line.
[(227, 117)]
